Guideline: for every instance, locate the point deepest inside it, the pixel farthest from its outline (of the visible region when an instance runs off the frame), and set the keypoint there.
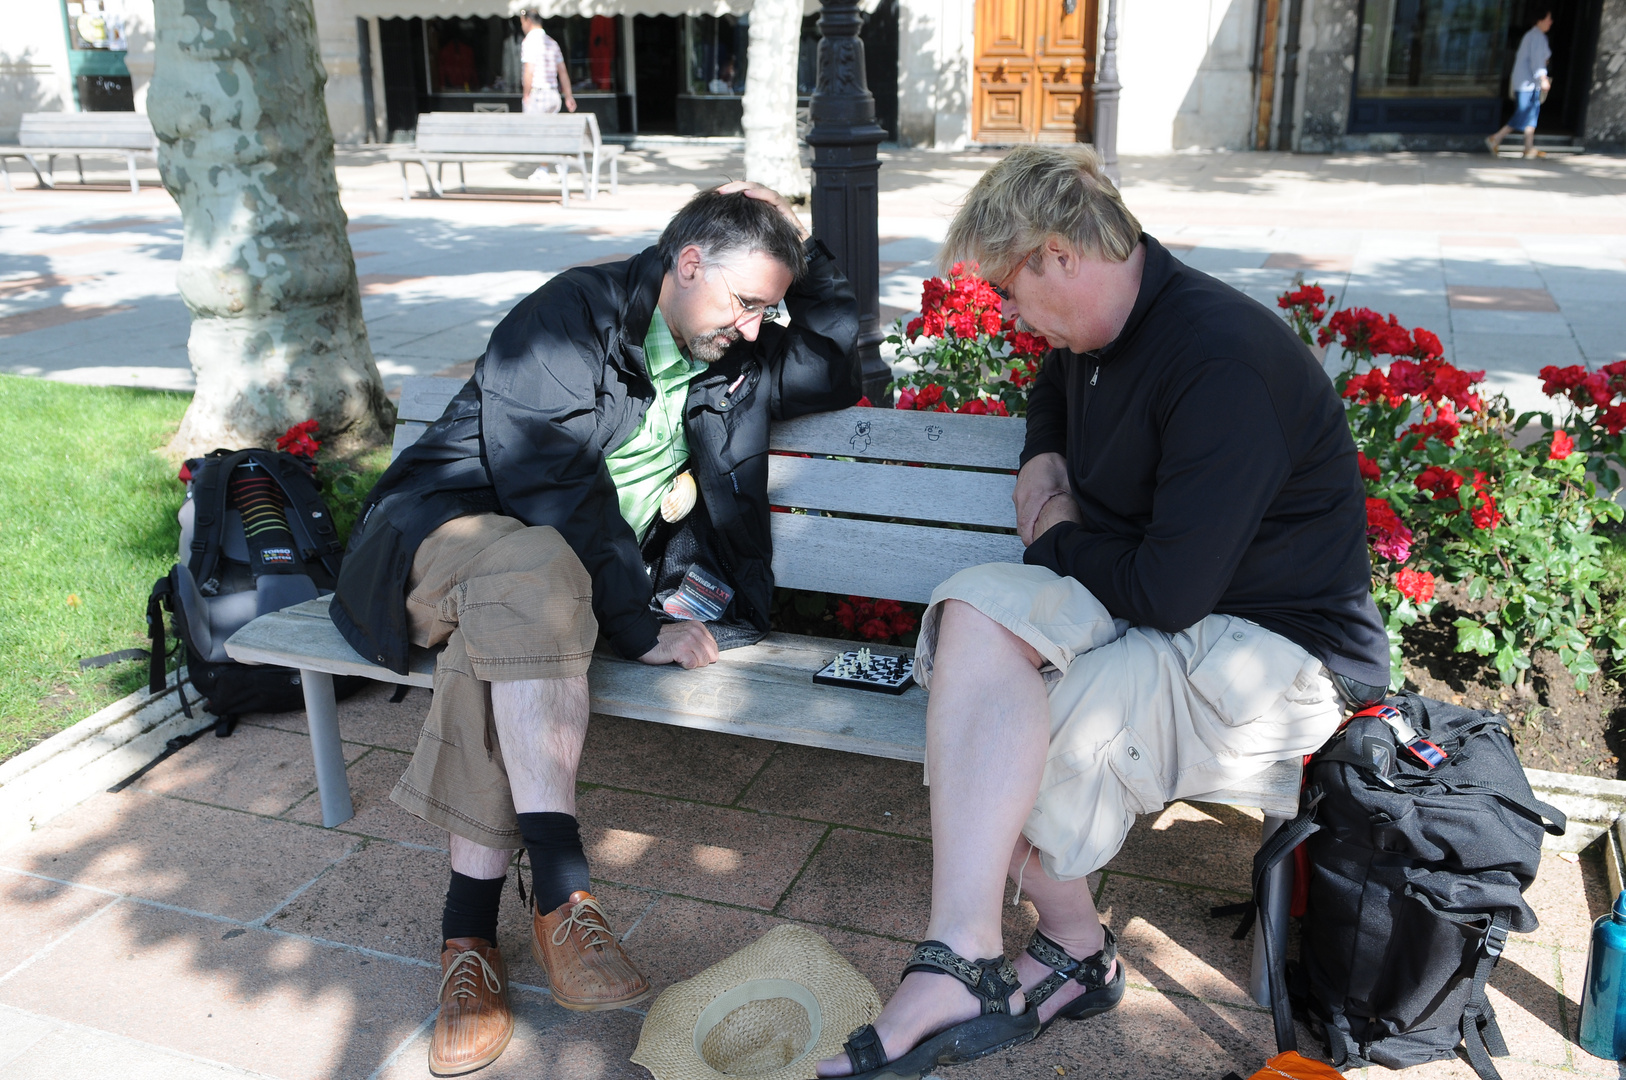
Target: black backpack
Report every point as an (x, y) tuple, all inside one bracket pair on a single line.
[(255, 537), (1422, 834)]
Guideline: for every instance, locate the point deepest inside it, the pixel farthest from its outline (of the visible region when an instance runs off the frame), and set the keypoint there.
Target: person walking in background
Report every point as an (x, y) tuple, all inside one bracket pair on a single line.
[(1528, 86), (545, 78)]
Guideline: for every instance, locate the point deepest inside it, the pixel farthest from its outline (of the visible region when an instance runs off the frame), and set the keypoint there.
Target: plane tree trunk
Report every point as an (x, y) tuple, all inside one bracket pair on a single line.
[(246, 151)]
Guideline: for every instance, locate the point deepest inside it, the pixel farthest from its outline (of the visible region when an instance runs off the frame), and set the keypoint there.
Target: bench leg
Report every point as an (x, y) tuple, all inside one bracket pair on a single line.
[(434, 187), (1278, 896), (613, 176), (564, 185), (79, 163), (135, 185), (46, 177), (462, 178), (5, 165), (406, 191), (322, 716)]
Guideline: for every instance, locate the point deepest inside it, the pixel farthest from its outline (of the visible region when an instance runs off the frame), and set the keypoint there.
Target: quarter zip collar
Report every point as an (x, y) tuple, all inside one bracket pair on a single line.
[(1155, 275)]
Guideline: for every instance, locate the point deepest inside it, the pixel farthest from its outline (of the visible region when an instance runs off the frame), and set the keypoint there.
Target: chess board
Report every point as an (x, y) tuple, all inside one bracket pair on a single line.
[(859, 669)]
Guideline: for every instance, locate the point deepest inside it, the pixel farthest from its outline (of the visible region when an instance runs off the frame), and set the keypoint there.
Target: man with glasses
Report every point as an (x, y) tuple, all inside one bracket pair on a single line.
[(603, 472)]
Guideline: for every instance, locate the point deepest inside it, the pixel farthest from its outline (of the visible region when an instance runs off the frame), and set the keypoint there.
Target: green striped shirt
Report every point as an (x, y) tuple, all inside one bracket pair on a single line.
[(643, 466)]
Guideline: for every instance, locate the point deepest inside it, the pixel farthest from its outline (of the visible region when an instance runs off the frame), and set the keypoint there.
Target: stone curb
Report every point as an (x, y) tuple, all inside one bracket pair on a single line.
[(1594, 805), (92, 755)]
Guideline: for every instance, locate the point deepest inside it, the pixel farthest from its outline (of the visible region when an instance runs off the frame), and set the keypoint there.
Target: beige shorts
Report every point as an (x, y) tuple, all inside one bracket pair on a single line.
[(509, 602), (1139, 718)]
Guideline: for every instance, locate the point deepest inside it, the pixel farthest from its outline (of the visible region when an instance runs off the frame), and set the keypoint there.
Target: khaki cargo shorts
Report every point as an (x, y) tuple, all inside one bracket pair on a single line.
[(1139, 718), (509, 602)]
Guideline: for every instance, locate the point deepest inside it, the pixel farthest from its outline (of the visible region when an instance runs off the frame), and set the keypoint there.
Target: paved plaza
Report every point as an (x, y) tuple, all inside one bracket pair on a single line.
[(1514, 264), (200, 923)]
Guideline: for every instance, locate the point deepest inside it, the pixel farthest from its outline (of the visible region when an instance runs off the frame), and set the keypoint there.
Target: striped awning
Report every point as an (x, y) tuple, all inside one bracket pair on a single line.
[(392, 9)]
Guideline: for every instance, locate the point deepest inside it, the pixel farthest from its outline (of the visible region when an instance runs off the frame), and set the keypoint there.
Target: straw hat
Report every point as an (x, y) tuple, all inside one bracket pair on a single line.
[(769, 1012)]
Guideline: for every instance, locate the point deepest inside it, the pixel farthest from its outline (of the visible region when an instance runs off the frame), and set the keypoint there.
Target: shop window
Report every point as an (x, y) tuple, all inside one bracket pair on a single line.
[(716, 51), (1431, 48)]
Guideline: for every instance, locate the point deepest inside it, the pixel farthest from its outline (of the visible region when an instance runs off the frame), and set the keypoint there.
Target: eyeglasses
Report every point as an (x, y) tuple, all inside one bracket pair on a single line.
[(1003, 289), (768, 312)]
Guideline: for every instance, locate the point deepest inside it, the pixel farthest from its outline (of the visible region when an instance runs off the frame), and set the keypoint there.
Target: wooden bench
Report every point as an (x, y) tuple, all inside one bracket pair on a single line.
[(58, 134), (943, 519), (557, 139)]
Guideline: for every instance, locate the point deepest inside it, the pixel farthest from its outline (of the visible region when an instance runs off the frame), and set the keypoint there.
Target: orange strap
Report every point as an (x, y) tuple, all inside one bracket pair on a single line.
[(1294, 1066)]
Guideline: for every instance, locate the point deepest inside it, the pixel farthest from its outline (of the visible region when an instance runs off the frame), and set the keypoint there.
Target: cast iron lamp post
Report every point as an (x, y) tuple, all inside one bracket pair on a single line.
[(846, 177), (1106, 96)]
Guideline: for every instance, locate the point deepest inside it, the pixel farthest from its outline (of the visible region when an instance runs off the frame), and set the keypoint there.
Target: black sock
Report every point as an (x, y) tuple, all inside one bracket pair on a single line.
[(471, 908), (558, 863)]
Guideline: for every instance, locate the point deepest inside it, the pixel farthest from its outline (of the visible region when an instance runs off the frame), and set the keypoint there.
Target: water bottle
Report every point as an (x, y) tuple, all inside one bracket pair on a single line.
[(1603, 1002)]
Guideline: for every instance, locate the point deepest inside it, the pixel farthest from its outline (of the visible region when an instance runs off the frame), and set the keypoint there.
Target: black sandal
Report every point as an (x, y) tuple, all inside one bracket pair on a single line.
[(992, 981), (1091, 973)]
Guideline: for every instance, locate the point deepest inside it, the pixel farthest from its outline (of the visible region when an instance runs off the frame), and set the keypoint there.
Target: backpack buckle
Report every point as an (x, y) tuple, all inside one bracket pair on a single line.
[(1495, 940), (1426, 752)]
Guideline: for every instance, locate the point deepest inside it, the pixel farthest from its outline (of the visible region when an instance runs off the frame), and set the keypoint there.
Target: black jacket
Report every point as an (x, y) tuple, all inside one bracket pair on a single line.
[(562, 383), (1215, 469)]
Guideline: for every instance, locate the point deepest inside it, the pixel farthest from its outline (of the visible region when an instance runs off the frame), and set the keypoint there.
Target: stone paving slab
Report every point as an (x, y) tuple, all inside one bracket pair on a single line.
[(189, 933)]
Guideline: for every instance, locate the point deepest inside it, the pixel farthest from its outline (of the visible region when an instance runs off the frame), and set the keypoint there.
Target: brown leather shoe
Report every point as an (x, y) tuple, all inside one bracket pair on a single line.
[(475, 1022), (586, 966)]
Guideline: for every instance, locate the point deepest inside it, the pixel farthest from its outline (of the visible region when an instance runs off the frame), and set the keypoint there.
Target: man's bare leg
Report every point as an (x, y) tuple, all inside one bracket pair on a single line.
[(987, 731), (1067, 916), (541, 725), (1529, 142), (1495, 141)]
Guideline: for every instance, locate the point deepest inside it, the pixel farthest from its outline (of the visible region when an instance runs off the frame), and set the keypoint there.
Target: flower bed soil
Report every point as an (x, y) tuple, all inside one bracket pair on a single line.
[(1555, 726)]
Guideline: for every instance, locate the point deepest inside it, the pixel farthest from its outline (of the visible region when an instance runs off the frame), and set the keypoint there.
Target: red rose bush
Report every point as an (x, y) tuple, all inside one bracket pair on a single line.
[(1452, 498)]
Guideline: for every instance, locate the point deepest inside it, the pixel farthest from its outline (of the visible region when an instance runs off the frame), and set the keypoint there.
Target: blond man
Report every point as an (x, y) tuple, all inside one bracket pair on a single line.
[(1193, 604)]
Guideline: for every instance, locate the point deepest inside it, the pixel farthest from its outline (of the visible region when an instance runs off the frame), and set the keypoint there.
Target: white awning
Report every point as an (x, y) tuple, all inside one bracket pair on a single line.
[(446, 9)]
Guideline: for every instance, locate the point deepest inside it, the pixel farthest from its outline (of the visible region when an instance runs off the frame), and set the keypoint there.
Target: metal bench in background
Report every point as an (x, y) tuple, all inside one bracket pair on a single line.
[(936, 521), (560, 140), (85, 134)]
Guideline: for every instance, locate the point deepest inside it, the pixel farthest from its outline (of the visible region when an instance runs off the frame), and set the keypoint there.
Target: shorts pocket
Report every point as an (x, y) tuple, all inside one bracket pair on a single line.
[(1132, 762), (1248, 672)]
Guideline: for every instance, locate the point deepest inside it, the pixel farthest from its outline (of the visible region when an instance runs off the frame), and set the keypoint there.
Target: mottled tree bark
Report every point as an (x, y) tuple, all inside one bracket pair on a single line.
[(246, 151), (772, 156)]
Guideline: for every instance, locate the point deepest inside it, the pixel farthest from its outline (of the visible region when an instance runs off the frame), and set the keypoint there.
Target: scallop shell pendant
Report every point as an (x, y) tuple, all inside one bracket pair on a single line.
[(680, 499)]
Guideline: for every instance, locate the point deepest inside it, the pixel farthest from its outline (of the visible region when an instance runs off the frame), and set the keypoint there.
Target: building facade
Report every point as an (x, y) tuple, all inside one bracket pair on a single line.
[(1304, 75)]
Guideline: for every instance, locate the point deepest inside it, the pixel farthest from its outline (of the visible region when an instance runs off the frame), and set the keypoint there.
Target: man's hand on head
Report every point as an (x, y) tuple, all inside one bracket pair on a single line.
[(687, 644), (1042, 478), (754, 190)]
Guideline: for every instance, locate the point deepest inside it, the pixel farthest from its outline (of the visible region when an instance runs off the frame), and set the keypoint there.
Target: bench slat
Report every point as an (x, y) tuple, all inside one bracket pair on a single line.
[(983, 442), (303, 636), (87, 131), (406, 433), (894, 491), (872, 558), (425, 397), (762, 691)]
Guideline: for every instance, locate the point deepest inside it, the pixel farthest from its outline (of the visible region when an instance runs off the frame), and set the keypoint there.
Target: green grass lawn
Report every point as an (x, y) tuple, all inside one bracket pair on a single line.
[(87, 523)]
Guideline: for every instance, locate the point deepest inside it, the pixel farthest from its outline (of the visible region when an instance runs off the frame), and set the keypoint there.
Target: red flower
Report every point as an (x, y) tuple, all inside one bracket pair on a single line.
[(984, 407), (1369, 468), (1444, 428), (1308, 295), (1418, 585), (1563, 446), (864, 403), (1443, 483), (875, 620), (299, 440), (1426, 345), (928, 398), (1485, 515), (1389, 535)]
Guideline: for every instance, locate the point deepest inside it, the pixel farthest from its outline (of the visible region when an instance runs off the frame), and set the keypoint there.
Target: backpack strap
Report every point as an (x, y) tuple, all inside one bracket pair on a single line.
[(306, 510), (157, 600), (1548, 816), (209, 510), (1481, 1037), (1272, 852)]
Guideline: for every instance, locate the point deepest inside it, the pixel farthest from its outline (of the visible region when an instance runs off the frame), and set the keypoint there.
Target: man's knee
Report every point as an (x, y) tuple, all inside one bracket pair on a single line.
[(962, 624), (526, 608)]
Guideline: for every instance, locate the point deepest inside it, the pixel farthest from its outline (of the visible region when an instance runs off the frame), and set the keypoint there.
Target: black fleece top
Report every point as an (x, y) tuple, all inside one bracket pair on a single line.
[(1215, 470)]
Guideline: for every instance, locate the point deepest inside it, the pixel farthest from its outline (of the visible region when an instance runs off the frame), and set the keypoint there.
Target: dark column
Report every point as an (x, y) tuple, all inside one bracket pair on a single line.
[(846, 177), (1106, 95)]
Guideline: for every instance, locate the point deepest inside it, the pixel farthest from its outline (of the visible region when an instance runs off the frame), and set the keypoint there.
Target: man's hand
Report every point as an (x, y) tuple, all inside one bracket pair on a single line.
[(1059, 508), (754, 190), (1042, 478), (688, 644)]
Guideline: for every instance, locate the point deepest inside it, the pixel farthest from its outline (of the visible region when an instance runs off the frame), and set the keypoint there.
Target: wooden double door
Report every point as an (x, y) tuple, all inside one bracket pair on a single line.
[(1034, 69)]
